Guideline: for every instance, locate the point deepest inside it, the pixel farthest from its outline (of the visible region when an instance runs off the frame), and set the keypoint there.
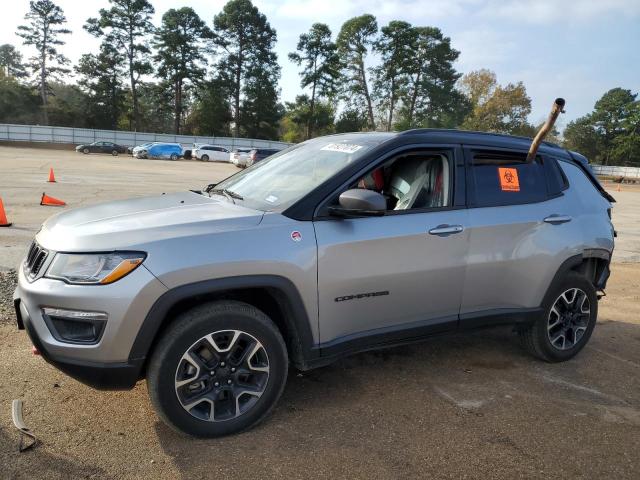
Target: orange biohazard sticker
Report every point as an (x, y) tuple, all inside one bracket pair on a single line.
[(509, 179)]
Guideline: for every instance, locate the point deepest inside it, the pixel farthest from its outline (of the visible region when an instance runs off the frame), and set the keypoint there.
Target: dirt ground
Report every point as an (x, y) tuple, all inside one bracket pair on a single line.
[(461, 406)]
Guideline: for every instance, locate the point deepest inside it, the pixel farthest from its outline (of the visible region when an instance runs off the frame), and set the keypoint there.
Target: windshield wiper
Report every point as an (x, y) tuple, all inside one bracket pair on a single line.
[(227, 193)]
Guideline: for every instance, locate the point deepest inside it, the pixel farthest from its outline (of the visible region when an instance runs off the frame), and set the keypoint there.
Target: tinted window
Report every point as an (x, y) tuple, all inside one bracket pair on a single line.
[(556, 179), (505, 178)]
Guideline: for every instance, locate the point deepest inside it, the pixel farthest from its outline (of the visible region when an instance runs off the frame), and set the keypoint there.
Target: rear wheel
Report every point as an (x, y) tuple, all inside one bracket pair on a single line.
[(570, 314), (114, 153), (174, 156), (204, 158), (218, 369)]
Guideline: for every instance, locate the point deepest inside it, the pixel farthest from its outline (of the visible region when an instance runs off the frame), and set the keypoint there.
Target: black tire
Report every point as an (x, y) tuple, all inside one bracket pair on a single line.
[(85, 151), (180, 337), (204, 158), (114, 153), (537, 337), (174, 156)]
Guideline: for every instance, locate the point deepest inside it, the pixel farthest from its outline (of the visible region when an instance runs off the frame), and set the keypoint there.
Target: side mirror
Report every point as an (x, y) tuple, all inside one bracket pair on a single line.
[(359, 202)]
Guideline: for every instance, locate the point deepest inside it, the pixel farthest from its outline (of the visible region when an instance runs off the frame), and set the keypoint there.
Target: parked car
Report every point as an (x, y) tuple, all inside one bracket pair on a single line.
[(171, 151), (258, 154), (144, 146), (211, 153), (240, 157), (101, 147), (367, 240)]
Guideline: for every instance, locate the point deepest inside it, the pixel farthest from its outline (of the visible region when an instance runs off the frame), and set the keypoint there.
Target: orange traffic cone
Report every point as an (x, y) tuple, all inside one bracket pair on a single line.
[(3, 216), (53, 202), (52, 177)]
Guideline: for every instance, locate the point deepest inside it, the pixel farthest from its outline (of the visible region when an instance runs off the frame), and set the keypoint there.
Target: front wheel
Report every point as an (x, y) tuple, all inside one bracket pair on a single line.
[(204, 158), (218, 369), (570, 314), (85, 151), (114, 153)]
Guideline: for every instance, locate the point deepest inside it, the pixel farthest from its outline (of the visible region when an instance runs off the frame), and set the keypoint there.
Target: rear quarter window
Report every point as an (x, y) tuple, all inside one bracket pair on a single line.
[(499, 178)]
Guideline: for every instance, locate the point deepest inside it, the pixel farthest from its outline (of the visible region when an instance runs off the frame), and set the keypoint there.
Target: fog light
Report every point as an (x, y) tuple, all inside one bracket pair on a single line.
[(75, 326)]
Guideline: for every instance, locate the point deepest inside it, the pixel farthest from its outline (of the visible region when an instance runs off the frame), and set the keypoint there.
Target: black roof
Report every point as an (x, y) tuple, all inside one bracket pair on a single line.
[(467, 137)]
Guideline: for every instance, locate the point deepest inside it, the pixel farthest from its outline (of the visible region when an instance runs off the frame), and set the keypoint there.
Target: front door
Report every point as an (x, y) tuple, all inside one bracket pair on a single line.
[(399, 275)]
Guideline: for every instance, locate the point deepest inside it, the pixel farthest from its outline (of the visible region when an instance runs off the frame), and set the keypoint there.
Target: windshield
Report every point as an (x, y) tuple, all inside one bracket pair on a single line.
[(284, 178)]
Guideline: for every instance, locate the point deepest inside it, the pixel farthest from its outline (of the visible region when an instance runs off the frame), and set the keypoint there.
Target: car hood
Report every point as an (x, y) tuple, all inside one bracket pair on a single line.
[(133, 223)]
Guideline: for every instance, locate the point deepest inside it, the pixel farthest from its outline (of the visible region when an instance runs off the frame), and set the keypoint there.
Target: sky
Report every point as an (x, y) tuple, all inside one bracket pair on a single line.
[(576, 49)]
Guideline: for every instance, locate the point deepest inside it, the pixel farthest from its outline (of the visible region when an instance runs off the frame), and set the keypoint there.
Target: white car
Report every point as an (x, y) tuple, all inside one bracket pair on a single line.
[(240, 157), (211, 153)]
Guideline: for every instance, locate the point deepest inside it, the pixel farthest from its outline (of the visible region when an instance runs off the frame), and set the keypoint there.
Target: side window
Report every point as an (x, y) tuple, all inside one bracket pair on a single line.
[(556, 179), (411, 181), (504, 178)]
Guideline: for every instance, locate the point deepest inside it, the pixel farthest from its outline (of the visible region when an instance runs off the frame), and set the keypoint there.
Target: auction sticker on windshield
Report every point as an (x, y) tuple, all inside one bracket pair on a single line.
[(342, 147)]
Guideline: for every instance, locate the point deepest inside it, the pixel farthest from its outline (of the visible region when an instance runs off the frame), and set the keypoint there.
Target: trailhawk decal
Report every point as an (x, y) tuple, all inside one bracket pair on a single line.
[(358, 296)]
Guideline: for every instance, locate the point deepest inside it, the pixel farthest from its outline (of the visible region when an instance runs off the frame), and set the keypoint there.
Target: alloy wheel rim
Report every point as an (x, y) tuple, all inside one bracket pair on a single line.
[(568, 319), (222, 375)]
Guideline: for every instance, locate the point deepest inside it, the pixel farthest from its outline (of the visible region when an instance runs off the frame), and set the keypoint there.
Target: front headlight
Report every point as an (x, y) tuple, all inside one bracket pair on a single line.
[(94, 268)]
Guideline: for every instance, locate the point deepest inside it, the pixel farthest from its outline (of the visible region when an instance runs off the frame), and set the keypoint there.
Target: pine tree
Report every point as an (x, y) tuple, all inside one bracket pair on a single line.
[(100, 77), (356, 36), (126, 26), (43, 31), (11, 62), (180, 46), (321, 66), (245, 43)]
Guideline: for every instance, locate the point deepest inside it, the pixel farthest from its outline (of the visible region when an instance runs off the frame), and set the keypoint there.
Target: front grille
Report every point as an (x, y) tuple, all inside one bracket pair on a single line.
[(35, 259)]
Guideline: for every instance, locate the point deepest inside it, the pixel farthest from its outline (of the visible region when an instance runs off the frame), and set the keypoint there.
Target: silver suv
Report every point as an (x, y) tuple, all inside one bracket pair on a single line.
[(334, 246)]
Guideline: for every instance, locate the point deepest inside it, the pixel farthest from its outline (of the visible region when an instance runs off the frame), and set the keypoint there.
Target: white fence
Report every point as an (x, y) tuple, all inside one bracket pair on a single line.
[(615, 171), (77, 136)]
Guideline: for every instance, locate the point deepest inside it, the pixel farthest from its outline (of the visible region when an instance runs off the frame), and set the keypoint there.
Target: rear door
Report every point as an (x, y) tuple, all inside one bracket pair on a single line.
[(395, 276), (517, 234)]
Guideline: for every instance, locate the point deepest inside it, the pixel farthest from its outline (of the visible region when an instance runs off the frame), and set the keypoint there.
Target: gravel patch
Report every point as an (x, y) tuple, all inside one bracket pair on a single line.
[(8, 282)]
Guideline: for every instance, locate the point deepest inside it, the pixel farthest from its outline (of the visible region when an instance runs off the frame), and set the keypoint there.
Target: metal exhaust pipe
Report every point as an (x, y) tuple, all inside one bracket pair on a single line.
[(556, 109)]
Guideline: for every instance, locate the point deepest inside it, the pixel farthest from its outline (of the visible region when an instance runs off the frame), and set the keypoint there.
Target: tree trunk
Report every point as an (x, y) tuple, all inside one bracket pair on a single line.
[(43, 77), (178, 106), (236, 93), (414, 98), (132, 80), (392, 102), (311, 111), (365, 88)]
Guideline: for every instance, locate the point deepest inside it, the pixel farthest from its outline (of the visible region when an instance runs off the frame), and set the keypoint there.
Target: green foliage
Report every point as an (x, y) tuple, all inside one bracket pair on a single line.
[(180, 45), (11, 62), (390, 78), (18, 103), (43, 32), (211, 114), (245, 43), (321, 66), (356, 37), (100, 77), (611, 133), (351, 120), (431, 98), (126, 26), (495, 108), (298, 115)]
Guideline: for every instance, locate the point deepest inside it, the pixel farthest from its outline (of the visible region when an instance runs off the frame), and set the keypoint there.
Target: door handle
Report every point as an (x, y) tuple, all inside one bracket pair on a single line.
[(446, 230), (557, 219)]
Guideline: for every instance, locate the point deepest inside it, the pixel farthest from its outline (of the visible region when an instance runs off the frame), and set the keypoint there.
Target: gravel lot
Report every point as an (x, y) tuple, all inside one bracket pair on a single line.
[(460, 406)]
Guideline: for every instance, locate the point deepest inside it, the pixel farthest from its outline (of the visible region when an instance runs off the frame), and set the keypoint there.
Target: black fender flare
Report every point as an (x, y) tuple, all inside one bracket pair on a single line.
[(297, 319), (575, 260)]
